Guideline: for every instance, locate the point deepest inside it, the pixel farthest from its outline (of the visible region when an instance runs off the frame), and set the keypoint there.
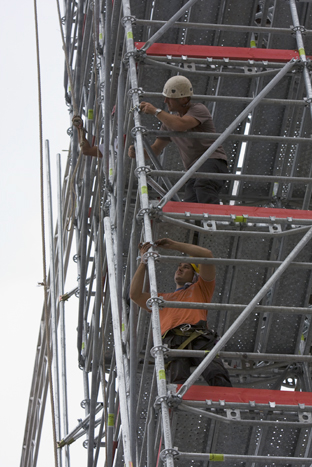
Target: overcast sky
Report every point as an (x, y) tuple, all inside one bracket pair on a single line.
[(21, 257)]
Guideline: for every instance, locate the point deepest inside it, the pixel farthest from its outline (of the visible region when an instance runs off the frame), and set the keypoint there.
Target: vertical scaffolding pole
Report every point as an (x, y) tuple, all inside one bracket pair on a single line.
[(56, 385), (61, 303), (168, 453), (118, 344)]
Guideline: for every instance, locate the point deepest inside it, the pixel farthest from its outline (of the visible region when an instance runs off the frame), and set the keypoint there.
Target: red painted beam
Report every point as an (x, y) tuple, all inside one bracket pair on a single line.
[(259, 396), (234, 53), (226, 210)]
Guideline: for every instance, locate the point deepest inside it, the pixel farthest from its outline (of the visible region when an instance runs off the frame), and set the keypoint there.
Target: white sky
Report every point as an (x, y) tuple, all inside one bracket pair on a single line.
[(21, 257)]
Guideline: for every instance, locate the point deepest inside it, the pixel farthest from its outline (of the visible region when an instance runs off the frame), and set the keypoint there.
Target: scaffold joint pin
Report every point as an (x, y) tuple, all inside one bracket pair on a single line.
[(151, 301), (158, 349), (169, 452)]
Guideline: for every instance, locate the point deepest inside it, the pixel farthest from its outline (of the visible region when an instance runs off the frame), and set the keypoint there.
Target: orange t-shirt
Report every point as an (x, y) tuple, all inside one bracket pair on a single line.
[(200, 292)]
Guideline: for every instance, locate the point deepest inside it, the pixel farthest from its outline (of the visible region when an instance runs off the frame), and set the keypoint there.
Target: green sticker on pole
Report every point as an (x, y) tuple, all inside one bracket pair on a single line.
[(123, 327), (129, 35), (301, 51), (90, 114), (144, 190), (216, 457), (253, 44), (101, 36), (162, 374), (111, 419), (110, 171)]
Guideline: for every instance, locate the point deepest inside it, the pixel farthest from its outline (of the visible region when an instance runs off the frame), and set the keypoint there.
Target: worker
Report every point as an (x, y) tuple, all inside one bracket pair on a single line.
[(184, 327), (86, 148), (186, 116)]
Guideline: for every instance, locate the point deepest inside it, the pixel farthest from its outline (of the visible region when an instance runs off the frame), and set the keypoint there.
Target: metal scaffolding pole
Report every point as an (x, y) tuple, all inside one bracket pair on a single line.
[(61, 303), (53, 313)]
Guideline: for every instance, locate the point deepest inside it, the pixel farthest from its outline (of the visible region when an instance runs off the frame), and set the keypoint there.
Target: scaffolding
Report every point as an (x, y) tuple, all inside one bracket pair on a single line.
[(249, 64)]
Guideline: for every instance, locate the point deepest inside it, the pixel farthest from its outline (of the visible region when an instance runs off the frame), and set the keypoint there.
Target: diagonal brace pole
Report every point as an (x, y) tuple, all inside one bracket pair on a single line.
[(167, 26), (227, 132), (248, 310)]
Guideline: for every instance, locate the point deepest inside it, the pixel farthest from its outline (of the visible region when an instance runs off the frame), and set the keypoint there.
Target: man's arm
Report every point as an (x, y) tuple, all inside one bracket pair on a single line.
[(157, 148), (206, 271), (136, 288), (174, 122)]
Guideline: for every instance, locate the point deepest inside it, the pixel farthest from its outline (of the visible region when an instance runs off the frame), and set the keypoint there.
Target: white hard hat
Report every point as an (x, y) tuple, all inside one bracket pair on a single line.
[(178, 86)]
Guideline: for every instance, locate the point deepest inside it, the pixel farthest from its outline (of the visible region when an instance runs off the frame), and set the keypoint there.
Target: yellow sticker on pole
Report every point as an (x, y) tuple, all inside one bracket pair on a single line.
[(253, 44), (101, 36), (162, 374), (144, 190), (90, 114), (123, 327), (129, 35), (110, 171), (111, 419), (301, 51), (216, 457)]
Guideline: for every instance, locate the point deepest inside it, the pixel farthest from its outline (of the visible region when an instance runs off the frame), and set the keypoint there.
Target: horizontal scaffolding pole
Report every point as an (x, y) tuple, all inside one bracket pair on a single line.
[(215, 136), (249, 458), (287, 358), (209, 72), (232, 262), (249, 422), (235, 233), (229, 176), (243, 218), (234, 99), (221, 27), (237, 308)]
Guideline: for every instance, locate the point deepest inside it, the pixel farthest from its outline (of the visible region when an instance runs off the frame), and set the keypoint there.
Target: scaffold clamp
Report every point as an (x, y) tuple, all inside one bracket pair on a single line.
[(138, 129), (135, 91), (157, 349), (159, 400), (169, 452), (148, 254), (131, 18), (174, 400), (143, 168), (299, 28), (151, 301)]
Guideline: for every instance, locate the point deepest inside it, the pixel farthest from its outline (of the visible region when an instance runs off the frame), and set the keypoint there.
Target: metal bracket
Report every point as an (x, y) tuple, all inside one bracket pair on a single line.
[(159, 400), (135, 91), (143, 168), (149, 254), (307, 100), (300, 28), (152, 300), (275, 228), (138, 129), (124, 19), (169, 452), (210, 225), (305, 417), (174, 400), (233, 414), (157, 349), (189, 66)]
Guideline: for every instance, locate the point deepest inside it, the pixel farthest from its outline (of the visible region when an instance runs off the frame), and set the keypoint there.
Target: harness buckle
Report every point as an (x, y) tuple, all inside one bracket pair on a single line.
[(185, 327)]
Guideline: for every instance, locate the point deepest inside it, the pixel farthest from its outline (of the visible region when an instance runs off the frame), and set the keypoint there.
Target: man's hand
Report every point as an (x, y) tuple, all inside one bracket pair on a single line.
[(144, 247), (166, 243), (131, 152), (147, 108)]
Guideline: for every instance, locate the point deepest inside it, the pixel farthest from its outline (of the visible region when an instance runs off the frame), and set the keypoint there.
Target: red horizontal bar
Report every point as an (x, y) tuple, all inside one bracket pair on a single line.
[(226, 209), (234, 53), (259, 396)]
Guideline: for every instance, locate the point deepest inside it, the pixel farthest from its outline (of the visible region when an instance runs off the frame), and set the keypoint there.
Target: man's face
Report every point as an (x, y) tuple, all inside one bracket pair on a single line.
[(174, 105), (183, 274)]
